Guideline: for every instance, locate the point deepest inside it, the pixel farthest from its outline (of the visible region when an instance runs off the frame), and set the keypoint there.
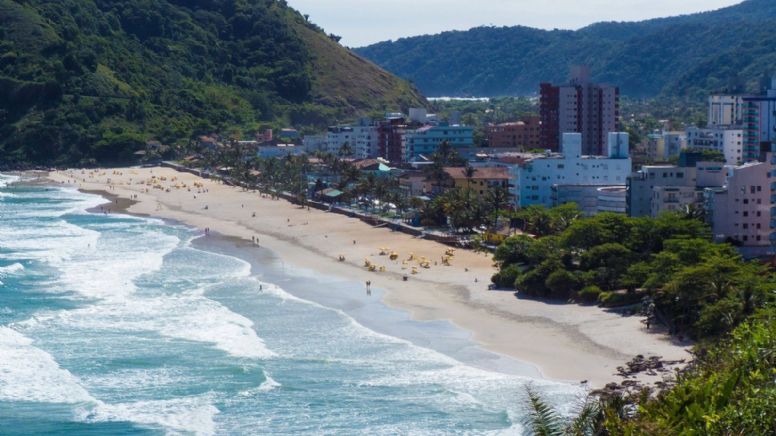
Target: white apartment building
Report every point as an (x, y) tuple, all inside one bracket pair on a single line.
[(537, 177), (728, 141), (367, 139), (337, 137), (313, 143)]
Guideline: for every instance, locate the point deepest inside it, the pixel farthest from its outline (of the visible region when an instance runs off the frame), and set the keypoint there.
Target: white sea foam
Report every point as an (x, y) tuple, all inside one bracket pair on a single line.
[(12, 269), (6, 179), (28, 373), (193, 415)]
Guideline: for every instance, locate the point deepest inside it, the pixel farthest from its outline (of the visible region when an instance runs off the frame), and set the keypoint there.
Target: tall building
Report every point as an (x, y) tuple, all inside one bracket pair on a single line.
[(523, 134), (579, 107), (743, 211), (390, 136), (759, 122), (367, 138), (725, 111)]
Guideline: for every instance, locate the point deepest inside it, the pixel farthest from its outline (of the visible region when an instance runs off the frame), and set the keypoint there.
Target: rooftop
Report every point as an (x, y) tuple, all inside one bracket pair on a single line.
[(480, 173)]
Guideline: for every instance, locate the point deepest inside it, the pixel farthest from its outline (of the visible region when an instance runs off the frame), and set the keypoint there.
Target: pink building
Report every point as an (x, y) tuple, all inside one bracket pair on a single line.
[(741, 211)]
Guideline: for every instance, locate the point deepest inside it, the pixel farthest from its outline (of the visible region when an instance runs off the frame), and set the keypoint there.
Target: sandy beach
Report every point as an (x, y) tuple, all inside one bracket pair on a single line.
[(564, 341)]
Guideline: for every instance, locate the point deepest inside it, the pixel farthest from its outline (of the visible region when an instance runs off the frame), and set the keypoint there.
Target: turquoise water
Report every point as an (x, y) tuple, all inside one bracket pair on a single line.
[(112, 324)]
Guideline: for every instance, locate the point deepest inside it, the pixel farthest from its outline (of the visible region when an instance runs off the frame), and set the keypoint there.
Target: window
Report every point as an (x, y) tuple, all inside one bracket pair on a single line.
[(746, 213), (745, 225)]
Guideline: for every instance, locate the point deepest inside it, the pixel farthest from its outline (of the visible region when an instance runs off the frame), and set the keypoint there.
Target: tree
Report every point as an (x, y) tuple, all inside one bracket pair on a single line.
[(609, 262), (543, 420), (496, 199), (345, 150), (513, 250), (469, 172)]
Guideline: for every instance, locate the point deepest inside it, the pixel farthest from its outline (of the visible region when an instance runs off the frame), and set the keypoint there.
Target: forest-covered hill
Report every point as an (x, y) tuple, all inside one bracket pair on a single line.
[(95, 79), (731, 48)]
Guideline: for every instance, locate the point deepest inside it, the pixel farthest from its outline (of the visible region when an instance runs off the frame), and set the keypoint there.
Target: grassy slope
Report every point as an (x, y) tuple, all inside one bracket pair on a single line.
[(344, 79)]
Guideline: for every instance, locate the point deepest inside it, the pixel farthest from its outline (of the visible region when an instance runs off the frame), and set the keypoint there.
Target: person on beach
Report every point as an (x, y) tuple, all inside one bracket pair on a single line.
[(368, 287)]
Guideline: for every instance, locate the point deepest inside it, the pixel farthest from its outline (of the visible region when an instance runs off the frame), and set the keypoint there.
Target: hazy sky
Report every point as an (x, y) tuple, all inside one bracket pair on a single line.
[(362, 22)]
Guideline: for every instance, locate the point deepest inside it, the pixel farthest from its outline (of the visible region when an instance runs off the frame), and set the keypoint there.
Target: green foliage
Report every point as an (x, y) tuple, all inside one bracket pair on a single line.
[(729, 389), (73, 70), (712, 52), (697, 287), (506, 277), (543, 420), (590, 294)]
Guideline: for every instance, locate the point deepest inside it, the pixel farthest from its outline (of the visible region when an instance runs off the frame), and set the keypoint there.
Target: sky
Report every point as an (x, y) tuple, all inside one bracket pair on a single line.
[(362, 22)]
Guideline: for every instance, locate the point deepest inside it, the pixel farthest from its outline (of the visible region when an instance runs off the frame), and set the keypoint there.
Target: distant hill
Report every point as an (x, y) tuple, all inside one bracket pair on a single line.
[(689, 55), (95, 79)]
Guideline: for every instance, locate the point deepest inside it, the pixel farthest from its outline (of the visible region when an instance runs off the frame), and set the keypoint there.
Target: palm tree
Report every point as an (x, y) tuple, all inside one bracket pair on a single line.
[(543, 420), (345, 150), (496, 199), (468, 172)]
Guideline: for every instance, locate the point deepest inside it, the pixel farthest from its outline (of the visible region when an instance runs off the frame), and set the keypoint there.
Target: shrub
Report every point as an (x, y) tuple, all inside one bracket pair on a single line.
[(506, 277), (614, 299), (562, 284), (590, 294)]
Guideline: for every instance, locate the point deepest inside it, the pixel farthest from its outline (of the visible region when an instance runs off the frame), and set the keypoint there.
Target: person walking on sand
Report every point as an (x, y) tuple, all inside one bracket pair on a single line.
[(368, 287)]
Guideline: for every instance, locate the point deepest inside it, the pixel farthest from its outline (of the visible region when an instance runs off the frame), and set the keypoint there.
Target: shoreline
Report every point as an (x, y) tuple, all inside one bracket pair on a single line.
[(568, 343)]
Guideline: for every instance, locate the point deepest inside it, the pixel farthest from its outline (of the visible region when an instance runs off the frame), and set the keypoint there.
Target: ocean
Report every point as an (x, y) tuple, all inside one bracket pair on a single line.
[(122, 325)]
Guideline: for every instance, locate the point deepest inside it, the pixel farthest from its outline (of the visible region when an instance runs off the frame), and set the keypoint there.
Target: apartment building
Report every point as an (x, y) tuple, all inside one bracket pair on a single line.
[(691, 174), (743, 211), (537, 177), (426, 140), (726, 140), (579, 106), (521, 135)]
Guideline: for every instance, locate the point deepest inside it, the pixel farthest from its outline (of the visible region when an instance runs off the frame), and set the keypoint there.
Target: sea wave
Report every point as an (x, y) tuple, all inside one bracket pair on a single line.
[(7, 179), (194, 415), (12, 269), (29, 374)]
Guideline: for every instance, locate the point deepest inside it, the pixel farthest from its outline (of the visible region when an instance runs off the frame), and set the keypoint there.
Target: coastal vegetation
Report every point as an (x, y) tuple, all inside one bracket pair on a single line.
[(668, 270), (692, 285), (728, 389), (730, 50), (93, 80)]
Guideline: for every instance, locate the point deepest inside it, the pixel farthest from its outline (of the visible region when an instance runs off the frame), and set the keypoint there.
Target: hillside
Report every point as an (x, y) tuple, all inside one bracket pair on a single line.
[(690, 55), (95, 79)]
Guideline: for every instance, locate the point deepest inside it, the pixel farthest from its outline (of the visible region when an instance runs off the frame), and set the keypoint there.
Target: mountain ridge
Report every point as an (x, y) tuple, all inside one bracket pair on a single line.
[(95, 79), (647, 58)]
